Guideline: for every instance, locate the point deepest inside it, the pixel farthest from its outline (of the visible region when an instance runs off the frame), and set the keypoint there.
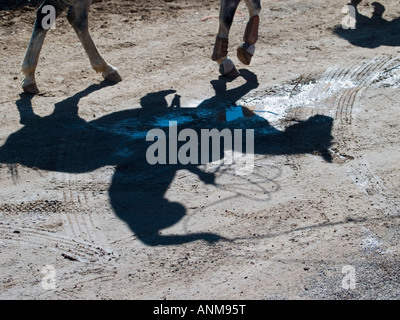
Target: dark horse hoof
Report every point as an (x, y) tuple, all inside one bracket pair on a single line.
[(245, 52)]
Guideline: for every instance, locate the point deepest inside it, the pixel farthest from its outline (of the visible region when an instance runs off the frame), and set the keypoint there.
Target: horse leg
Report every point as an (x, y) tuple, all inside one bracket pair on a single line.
[(35, 46), (78, 18), (246, 50), (220, 53)]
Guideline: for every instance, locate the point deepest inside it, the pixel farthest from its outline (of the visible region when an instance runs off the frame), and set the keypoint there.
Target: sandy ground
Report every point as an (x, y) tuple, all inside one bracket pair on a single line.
[(84, 216)]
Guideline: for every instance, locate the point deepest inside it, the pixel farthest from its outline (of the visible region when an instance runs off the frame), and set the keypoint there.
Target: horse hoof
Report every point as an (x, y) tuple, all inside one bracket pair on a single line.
[(31, 88), (112, 76), (245, 52), (228, 69)]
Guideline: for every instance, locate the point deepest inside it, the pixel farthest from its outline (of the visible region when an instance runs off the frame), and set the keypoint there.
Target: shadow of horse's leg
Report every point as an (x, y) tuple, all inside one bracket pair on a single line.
[(24, 105), (355, 3)]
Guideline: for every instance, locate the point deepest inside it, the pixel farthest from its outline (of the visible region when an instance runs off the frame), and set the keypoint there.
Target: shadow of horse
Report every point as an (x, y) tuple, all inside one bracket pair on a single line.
[(64, 142), (371, 32)]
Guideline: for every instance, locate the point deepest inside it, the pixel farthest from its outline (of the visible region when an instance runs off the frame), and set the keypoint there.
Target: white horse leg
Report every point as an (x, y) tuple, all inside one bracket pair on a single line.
[(31, 61), (32, 54), (78, 18), (220, 53), (246, 50)]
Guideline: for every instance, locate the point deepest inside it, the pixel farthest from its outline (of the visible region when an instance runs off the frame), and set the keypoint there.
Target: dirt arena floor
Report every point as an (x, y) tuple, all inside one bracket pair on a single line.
[(83, 215)]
